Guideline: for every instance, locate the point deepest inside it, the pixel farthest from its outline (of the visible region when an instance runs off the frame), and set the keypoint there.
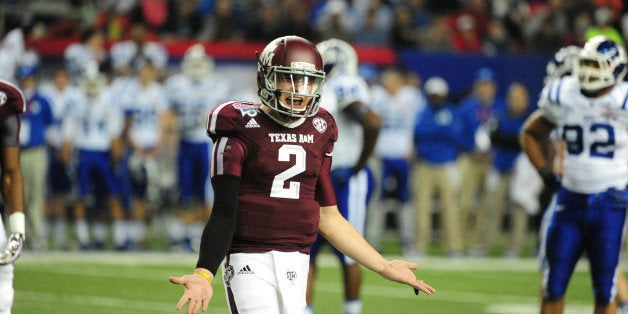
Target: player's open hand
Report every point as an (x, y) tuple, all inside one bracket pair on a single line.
[(402, 272), (197, 290)]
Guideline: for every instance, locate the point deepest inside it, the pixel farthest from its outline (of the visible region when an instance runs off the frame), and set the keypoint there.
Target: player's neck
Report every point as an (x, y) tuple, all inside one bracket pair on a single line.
[(280, 118)]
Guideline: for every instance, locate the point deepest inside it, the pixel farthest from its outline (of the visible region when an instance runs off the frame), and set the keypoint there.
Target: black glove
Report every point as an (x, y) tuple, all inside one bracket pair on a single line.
[(550, 179)]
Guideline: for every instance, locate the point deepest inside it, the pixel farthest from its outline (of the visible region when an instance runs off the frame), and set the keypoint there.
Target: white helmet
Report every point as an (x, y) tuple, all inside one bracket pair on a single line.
[(196, 62), (563, 63), (338, 57), (601, 64), (93, 80)]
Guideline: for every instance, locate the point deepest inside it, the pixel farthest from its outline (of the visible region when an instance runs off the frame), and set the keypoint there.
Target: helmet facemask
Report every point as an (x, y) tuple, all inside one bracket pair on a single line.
[(292, 92), (290, 77), (600, 67)]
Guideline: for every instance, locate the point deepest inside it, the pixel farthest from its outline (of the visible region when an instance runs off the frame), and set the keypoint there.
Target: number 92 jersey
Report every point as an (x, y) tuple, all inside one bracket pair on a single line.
[(594, 132), (280, 193)]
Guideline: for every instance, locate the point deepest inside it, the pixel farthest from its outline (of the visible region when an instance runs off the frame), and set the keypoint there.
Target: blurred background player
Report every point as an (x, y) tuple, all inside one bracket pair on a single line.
[(94, 131), (504, 132), (12, 103), (147, 121), (192, 92), (33, 152), (588, 213), (78, 56), (476, 154), (129, 55), (437, 141), (12, 49), (346, 96), (64, 100), (397, 104)]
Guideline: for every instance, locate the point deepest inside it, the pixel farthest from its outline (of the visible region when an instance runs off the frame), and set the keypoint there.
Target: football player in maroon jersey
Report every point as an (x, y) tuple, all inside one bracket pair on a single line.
[(11, 187), (273, 192)]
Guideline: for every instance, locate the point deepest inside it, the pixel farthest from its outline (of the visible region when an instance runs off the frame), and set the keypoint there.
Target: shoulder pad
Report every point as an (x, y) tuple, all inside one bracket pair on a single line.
[(226, 119), (12, 97)]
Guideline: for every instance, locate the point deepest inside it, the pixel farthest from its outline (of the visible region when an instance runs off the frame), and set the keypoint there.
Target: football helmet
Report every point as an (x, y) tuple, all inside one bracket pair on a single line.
[(93, 81), (295, 62), (601, 64), (196, 63), (338, 57), (562, 63)]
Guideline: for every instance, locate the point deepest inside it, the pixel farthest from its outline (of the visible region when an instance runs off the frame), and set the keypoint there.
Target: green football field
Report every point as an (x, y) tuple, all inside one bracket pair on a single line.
[(137, 283)]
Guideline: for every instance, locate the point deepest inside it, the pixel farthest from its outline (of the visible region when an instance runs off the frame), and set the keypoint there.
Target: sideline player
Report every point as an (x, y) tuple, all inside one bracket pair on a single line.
[(346, 96), (12, 103), (190, 91), (589, 111), (273, 192)]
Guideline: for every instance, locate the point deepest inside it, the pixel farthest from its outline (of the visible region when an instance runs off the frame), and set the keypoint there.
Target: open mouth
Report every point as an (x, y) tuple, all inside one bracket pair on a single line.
[(296, 103)]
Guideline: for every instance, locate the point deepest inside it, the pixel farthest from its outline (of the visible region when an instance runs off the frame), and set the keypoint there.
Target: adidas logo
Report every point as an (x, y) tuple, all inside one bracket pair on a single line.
[(251, 124), (246, 270)]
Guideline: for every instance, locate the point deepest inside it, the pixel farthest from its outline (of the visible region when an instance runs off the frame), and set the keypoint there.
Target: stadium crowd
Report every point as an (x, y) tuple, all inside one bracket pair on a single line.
[(127, 180), (478, 26)]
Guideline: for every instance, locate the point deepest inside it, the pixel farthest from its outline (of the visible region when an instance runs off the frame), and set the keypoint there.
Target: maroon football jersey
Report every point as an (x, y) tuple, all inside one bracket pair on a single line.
[(279, 169), (12, 103)]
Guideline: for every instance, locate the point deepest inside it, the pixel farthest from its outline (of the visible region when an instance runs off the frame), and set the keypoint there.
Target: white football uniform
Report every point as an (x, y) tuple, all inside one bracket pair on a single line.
[(595, 132), (339, 92), (398, 113), (96, 122), (77, 56), (123, 54), (192, 101), (63, 103), (145, 105), (11, 49)]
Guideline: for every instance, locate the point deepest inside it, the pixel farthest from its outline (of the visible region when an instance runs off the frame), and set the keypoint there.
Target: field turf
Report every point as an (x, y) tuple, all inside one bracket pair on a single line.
[(62, 282)]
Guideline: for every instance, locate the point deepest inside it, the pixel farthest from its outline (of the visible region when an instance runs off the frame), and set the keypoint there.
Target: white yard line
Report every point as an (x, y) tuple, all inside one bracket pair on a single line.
[(326, 260)]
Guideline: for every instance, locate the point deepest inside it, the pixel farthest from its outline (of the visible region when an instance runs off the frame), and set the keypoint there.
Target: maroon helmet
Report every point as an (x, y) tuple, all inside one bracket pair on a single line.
[(12, 97), (293, 60)]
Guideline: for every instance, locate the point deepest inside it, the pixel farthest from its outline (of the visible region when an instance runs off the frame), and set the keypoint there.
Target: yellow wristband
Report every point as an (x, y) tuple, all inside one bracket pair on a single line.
[(206, 276)]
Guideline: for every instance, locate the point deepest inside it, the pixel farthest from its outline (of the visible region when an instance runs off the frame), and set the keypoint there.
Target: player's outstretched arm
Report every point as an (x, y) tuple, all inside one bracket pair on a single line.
[(341, 234), (197, 289), (215, 243)]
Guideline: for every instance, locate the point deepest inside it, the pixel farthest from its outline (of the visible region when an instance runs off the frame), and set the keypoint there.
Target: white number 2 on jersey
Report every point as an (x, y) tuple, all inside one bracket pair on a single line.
[(292, 191)]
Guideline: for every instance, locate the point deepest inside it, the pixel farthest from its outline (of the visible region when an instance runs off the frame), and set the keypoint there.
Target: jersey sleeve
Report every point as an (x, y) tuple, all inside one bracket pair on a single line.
[(228, 156), (325, 194), (549, 101), (351, 89), (225, 119)]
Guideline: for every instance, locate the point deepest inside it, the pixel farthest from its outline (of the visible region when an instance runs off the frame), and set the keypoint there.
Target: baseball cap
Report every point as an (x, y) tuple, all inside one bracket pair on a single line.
[(485, 74), (436, 85), (24, 71)]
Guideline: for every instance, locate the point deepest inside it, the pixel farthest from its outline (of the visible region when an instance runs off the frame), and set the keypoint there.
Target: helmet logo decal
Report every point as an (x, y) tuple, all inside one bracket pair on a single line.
[(3, 98), (302, 65), (266, 57), (319, 124)]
